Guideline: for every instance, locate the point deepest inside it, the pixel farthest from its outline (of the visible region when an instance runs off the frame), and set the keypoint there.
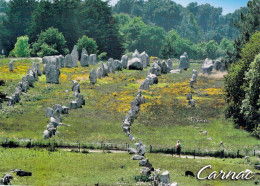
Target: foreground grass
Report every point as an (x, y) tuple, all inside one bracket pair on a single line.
[(67, 168), (163, 119)]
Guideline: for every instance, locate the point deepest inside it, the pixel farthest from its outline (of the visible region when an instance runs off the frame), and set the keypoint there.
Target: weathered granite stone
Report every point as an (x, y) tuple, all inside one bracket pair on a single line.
[(62, 64), (68, 61), (169, 63), (11, 66), (135, 64), (75, 56), (49, 112), (83, 52), (99, 73), (143, 58), (75, 86), (110, 68), (145, 163), (217, 65), (165, 178), (192, 103), (176, 71), (79, 99), (146, 171), (73, 105), (147, 59), (136, 54), (164, 69), (183, 63), (84, 61), (30, 78), (137, 157), (189, 96), (104, 69), (207, 66), (145, 84), (124, 61), (93, 59), (153, 79), (118, 65), (52, 73), (131, 151), (59, 107), (93, 76), (39, 71), (65, 110)]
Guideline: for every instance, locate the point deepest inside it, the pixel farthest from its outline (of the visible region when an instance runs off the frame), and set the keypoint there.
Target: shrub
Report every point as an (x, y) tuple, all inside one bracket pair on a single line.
[(235, 84), (88, 43), (22, 47), (50, 42), (102, 56)]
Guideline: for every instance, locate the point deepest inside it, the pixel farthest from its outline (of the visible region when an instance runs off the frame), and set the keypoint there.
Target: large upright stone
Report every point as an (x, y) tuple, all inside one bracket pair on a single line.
[(75, 86), (75, 56), (118, 65), (147, 59), (93, 76), (165, 178), (124, 61), (38, 67), (207, 66), (135, 64), (83, 52), (99, 73), (68, 61), (165, 69), (52, 73), (136, 54), (84, 61), (143, 59), (93, 59), (61, 57), (103, 69), (169, 62), (11, 66), (217, 65), (155, 69), (183, 63)]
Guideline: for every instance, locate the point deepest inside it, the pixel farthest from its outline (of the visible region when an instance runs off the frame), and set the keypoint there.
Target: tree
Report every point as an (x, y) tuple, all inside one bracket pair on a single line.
[(250, 108), (50, 42), (22, 47), (97, 22), (211, 49), (3, 6), (235, 82), (88, 43), (17, 21)]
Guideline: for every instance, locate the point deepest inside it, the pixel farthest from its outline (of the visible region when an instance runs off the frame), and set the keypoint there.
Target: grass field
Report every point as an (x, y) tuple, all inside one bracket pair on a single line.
[(163, 119), (68, 168)]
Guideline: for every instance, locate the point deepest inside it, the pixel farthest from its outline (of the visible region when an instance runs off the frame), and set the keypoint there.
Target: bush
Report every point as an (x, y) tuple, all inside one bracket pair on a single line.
[(235, 84), (88, 43), (22, 47), (50, 42), (103, 56)]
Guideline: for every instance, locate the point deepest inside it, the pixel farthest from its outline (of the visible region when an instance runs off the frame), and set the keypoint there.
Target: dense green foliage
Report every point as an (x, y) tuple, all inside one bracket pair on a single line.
[(22, 47), (195, 22), (138, 35), (50, 42), (72, 18), (249, 23), (88, 43), (236, 85)]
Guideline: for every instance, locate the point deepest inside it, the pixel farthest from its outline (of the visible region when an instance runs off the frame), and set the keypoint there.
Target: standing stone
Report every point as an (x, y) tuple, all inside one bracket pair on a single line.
[(75, 86), (155, 69), (118, 65), (136, 54), (135, 64), (93, 76), (147, 59), (192, 103), (84, 60), (93, 59), (207, 66), (110, 67), (68, 61), (183, 63), (75, 56), (169, 62), (153, 79), (164, 68), (65, 110), (83, 52), (49, 112), (38, 67), (99, 73), (165, 178), (73, 105), (52, 73), (188, 60), (11, 66), (124, 61), (145, 84), (104, 70), (143, 59), (30, 77), (61, 57)]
